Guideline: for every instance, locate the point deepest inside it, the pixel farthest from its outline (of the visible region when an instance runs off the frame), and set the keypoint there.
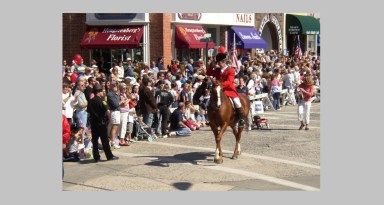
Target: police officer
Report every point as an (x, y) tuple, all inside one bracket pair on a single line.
[(165, 99), (99, 122)]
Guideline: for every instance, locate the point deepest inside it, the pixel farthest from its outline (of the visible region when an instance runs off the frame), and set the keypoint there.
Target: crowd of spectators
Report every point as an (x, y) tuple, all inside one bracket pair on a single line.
[(170, 99)]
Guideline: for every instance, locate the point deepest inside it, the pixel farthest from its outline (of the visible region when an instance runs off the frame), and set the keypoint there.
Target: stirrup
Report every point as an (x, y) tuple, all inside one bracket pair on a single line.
[(241, 122)]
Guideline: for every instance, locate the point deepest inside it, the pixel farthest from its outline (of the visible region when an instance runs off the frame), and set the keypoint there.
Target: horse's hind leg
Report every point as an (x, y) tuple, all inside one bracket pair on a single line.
[(237, 133)]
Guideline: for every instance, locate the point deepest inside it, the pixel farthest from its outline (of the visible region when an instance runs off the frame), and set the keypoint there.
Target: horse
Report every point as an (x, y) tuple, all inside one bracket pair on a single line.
[(221, 114)]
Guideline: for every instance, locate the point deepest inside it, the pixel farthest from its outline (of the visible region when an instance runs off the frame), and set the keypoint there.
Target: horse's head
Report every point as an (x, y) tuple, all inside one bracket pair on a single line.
[(216, 92)]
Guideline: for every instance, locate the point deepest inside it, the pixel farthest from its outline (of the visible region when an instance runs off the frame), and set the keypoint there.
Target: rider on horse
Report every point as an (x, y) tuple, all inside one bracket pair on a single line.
[(226, 75)]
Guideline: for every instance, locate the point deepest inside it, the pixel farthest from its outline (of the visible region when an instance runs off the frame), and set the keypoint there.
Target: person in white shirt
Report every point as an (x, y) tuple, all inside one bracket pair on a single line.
[(68, 102), (120, 70), (153, 68), (251, 84)]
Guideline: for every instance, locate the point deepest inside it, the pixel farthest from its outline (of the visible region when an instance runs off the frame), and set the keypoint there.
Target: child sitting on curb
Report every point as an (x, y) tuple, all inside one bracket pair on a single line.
[(200, 119), (73, 145)]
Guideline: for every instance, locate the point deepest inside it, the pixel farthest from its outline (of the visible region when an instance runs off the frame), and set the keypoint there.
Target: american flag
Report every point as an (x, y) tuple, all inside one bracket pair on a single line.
[(298, 52), (234, 59)]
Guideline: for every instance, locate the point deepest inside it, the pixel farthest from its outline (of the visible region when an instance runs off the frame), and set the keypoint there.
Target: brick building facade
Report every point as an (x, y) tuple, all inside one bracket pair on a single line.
[(73, 31), (160, 37)]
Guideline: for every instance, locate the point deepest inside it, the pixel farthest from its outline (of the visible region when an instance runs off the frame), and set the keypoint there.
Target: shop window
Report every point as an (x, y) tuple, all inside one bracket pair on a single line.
[(184, 54)]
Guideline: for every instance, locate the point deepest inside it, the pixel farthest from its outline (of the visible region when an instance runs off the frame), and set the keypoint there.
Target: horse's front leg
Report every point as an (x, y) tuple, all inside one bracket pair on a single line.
[(219, 153), (215, 131), (237, 133)]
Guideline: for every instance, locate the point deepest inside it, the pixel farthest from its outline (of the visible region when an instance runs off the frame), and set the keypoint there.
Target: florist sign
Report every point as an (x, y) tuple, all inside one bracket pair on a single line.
[(98, 36)]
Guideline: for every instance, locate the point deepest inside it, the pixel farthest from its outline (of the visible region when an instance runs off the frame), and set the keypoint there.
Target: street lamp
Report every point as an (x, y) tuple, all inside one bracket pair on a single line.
[(206, 39)]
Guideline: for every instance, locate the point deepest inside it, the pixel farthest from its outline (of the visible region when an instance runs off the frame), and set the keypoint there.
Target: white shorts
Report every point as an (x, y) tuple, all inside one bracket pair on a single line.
[(115, 117)]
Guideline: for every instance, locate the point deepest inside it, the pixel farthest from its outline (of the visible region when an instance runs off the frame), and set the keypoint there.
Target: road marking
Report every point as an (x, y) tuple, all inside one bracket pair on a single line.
[(264, 178), (286, 113), (231, 170), (245, 154), (277, 126), (293, 119)]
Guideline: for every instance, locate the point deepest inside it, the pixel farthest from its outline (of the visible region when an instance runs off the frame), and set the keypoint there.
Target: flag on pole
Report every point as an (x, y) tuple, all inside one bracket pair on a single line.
[(298, 52), (234, 55)]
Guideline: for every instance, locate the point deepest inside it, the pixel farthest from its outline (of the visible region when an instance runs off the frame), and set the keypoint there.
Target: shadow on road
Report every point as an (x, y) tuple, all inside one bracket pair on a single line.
[(190, 157), (182, 185), (195, 158)]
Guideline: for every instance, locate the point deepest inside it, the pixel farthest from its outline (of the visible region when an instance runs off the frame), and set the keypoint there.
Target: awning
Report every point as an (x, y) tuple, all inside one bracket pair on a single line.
[(112, 37), (296, 24), (188, 36), (245, 37)]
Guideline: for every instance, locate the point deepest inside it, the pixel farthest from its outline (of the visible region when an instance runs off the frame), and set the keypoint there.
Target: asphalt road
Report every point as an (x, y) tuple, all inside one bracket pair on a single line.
[(278, 158)]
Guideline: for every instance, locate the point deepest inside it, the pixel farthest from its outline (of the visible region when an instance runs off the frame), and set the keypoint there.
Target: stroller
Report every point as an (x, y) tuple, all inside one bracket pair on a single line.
[(260, 122), (140, 132)]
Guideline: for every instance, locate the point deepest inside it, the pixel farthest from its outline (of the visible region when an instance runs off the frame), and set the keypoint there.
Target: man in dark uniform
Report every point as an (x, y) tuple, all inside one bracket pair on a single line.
[(165, 100), (98, 117)]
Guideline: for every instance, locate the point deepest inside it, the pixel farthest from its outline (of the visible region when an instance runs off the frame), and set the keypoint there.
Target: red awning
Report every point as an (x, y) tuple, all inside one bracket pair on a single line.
[(112, 37), (189, 37)]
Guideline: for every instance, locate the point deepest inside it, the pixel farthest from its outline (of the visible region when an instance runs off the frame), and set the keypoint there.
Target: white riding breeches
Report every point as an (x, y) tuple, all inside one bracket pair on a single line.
[(237, 103)]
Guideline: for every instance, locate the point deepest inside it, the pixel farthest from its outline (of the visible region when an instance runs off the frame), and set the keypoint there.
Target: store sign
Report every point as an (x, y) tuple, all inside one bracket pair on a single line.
[(192, 32), (112, 36), (312, 32), (189, 16), (191, 36), (116, 18), (123, 34), (294, 30), (244, 18), (248, 36), (230, 19)]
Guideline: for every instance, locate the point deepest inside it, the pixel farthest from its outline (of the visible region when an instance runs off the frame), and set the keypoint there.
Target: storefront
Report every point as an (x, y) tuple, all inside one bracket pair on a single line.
[(217, 28), (302, 30), (117, 36), (189, 41)]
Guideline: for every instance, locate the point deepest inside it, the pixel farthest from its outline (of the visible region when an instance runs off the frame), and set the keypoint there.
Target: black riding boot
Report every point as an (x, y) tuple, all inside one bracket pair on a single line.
[(240, 116)]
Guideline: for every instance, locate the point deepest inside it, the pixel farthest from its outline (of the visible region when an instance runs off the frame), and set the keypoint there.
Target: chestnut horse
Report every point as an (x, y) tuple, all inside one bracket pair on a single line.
[(221, 114)]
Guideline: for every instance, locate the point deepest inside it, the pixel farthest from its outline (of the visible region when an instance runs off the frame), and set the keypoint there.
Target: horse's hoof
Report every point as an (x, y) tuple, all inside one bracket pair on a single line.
[(235, 156), (218, 161)]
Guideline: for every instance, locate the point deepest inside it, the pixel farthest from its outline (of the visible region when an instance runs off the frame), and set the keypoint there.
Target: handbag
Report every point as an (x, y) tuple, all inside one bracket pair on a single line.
[(300, 95)]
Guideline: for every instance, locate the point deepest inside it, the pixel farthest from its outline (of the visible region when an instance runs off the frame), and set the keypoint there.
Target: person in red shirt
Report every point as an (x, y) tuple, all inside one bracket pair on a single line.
[(66, 134), (306, 91), (226, 75)]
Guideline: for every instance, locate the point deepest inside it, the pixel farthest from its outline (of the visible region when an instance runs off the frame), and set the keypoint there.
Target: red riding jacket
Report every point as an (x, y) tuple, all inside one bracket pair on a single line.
[(226, 78)]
